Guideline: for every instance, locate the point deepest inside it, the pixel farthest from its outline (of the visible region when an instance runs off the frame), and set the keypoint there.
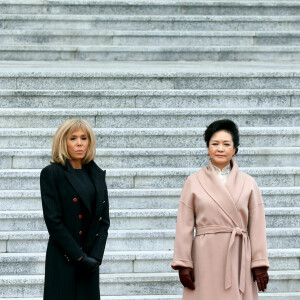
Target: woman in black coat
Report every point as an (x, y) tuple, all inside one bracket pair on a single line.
[(76, 212)]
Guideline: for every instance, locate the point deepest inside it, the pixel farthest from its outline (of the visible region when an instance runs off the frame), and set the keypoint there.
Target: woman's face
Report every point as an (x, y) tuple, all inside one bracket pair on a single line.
[(221, 149), (77, 143)]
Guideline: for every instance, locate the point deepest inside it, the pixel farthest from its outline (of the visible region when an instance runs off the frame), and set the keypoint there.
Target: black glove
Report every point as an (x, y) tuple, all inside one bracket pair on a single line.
[(187, 278), (89, 263), (260, 275)]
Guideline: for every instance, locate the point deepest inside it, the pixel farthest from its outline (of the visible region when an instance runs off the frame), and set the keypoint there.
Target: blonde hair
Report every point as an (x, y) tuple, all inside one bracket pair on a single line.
[(59, 145)]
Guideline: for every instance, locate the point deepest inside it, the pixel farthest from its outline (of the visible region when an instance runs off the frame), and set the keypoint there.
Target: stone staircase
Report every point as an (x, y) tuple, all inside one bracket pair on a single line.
[(149, 30), (148, 76)]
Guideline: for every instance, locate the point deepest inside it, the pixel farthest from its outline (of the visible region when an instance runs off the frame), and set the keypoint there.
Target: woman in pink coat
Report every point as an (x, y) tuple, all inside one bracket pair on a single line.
[(227, 255)]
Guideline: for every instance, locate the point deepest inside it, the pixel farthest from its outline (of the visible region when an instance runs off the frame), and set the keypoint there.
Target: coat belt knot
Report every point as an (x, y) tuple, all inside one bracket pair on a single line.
[(238, 231), (235, 231)]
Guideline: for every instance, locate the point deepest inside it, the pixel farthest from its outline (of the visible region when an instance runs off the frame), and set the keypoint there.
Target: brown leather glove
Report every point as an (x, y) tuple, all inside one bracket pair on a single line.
[(260, 275), (186, 276)]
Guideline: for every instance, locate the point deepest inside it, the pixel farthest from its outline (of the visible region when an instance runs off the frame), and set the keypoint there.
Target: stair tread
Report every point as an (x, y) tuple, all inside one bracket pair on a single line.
[(165, 3), (181, 92), (143, 212), (157, 171), (146, 111), (155, 48), (138, 254), (168, 297), (155, 191), (132, 233), (160, 68), (156, 151), (79, 17), (182, 33), (140, 277)]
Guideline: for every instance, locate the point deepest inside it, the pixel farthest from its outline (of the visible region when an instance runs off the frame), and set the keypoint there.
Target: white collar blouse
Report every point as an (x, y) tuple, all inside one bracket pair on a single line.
[(224, 173)]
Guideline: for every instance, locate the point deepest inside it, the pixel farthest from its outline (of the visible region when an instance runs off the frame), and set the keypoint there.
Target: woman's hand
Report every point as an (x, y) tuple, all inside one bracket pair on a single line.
[(260, 275), (89, 263), (186, 276)]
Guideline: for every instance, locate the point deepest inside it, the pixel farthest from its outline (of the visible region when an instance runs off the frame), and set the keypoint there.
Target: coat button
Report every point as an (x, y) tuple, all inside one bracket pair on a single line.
[(97, 234), (100, 219), (75, 200), (80, 217), (67, 258), (80, 232)]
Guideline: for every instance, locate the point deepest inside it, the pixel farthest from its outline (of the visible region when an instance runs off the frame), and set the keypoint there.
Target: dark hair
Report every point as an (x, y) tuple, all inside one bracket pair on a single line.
[(226, 125)]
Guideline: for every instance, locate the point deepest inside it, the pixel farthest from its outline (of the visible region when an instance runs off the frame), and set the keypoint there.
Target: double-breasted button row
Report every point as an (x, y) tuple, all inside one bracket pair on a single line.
[(75, 200)]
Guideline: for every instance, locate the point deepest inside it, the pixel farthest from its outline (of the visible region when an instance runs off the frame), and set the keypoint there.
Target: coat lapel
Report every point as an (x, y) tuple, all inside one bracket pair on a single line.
[(218, 192), (96, 175), (235, 182), (94, 172)]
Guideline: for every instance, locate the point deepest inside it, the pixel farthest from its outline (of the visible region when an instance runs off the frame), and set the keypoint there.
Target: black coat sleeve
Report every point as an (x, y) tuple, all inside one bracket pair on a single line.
[(52, 211), (97, 250)]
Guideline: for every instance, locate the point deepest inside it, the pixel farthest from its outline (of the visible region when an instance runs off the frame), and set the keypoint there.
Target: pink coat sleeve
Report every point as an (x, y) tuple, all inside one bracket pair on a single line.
[(257, 229), (184, 229)]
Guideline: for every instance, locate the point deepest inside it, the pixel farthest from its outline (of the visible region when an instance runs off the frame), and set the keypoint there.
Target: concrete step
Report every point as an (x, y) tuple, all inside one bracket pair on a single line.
[(130, 262), (153, 7), (148, 38), (41, 138), (265, 296), (155, 158), (135, 284), (149, 22), (133, 240), (148, 53), (148, 76), (140, 219), (154, 178), (12, 200), (149, 118), (149, 99), (127, 240)]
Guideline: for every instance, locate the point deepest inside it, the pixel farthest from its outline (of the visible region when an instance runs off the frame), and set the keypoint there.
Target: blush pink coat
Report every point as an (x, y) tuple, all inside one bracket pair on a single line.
[(230, 235)]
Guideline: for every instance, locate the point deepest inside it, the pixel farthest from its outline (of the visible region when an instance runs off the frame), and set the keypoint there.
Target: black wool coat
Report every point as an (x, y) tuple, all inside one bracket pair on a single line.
[(63, 202)]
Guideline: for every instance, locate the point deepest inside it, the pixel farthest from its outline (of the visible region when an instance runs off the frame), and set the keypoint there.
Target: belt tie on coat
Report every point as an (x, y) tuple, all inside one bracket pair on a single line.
[(235, 231)]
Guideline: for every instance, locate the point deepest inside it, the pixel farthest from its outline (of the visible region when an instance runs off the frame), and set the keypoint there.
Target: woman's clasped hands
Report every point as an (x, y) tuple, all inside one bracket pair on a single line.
[(90, 264)]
